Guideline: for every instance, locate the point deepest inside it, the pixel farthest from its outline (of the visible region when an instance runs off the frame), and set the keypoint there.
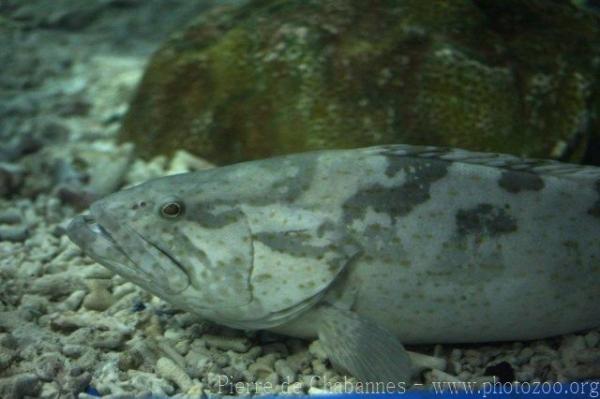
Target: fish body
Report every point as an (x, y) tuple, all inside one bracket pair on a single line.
[(380, 246)]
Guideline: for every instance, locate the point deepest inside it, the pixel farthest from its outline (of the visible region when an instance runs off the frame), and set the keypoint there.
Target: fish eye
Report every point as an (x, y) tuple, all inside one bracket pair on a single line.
[(171, 209)]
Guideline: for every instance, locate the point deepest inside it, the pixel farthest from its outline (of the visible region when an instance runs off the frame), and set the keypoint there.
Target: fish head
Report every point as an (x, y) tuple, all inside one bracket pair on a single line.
[(231, 244), (172, 237)]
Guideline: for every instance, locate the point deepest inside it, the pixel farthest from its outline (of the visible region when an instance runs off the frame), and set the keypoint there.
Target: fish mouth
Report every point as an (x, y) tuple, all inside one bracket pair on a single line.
[(120, 248), (95, 240), (97, 228)]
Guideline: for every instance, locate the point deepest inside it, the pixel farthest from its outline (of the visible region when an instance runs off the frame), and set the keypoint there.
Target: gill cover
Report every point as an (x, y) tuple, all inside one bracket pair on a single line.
[(298, 255), (214, 246)]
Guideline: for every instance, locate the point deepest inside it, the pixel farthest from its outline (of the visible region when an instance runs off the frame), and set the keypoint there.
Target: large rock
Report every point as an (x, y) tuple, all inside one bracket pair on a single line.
[(280, 76)]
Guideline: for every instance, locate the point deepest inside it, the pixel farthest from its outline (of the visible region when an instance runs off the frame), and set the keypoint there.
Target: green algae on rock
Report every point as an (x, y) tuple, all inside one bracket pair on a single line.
[(282, 76)]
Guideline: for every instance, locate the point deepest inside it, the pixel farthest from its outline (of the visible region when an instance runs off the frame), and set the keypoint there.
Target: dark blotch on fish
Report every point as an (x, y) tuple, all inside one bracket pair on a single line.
[(397, 200), (485, 219), (291, 242), (515, 181), (286, 189), (212, 219)]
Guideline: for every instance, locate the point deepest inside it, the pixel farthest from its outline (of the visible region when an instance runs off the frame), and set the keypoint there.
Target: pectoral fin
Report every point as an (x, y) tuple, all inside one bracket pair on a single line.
[(361, 347)]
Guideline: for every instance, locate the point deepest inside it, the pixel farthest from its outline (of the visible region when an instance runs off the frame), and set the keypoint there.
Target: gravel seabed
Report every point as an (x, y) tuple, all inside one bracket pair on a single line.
[(69, 327)]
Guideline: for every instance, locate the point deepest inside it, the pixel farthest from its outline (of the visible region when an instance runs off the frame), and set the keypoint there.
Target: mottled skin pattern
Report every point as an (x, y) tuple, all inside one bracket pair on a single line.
[(434, 245)]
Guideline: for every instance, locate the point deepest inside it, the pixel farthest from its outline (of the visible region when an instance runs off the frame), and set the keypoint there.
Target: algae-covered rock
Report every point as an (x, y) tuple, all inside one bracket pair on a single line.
[(281, 76)]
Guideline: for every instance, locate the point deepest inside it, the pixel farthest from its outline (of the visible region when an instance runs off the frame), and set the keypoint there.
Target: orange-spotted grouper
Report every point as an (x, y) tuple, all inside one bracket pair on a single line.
[(366, 249)]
